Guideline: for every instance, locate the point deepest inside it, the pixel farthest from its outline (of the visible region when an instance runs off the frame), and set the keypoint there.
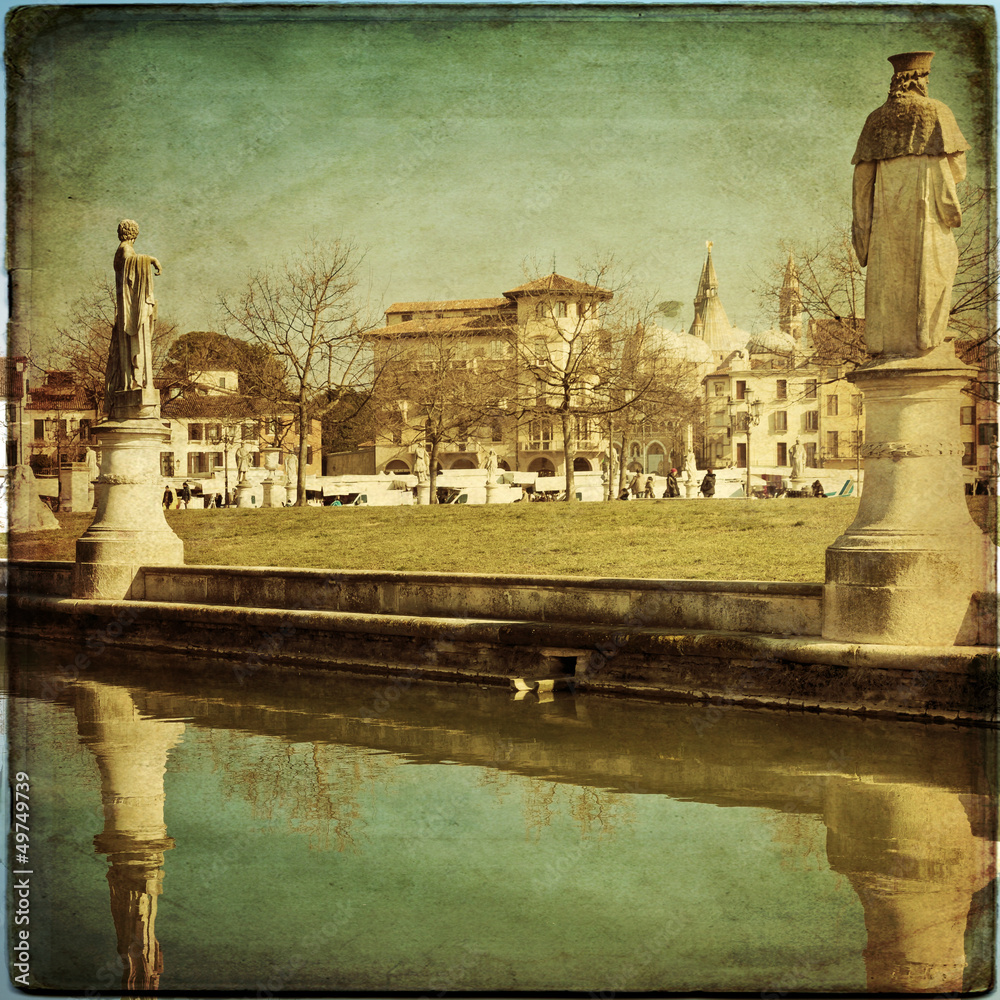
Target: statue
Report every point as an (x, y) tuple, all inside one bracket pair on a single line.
[(798, 457), (420, 467), (242, 461), (130, 358), (691, 466), (491, 467), (90, 457), (909, 158), (292, 467)]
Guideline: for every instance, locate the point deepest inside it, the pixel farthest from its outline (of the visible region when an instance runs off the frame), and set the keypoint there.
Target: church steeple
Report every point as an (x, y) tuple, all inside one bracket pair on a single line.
[(711, 323), (790, 303)]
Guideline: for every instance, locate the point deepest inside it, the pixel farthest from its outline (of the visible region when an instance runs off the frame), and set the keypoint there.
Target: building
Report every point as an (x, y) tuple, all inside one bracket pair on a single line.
[(14, 376), (435, 348), (58, 420)]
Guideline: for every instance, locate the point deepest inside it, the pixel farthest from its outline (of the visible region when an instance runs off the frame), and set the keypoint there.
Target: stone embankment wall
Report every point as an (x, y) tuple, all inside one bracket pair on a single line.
[(755, 643)]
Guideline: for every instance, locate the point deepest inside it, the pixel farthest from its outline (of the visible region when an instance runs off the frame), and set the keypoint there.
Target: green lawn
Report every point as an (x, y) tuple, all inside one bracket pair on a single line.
[(721, 540)]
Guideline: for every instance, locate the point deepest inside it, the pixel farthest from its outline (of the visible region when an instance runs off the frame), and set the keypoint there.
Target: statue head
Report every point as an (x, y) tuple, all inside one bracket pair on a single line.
[(910, 71), (128, 229)]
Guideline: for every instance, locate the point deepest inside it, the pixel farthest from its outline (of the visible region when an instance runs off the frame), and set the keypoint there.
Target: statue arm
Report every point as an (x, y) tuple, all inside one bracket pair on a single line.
[(863, 206), (949, 209)]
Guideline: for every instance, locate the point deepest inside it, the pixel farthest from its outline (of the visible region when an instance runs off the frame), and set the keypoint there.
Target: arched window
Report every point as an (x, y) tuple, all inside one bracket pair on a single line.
[(582, 465), (542, 466), (463, 463), (397, 467)]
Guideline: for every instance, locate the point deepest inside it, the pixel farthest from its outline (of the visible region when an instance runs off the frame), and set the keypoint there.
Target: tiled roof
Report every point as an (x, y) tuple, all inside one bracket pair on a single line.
[(219, 406), (470, 325), (449, 305), (557, 283)]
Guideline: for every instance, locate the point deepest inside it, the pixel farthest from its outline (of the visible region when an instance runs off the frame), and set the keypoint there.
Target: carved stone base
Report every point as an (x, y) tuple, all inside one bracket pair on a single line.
[(135, 404), (905, 571), (274, 493), (129, 529), (491, 492), (244, 490), (423, 493)]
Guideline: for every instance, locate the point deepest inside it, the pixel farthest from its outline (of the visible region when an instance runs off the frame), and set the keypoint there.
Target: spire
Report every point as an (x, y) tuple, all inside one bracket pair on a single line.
[(710, 320), (790, 307)]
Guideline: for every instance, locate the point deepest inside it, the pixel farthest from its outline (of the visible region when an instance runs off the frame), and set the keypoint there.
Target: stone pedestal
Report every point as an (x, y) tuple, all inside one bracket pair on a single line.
[(74, 487), (243, 490), (423, 493), (129, 529), (291, 494), (905, 571), (690, 489), (491, 492), (274, 493)]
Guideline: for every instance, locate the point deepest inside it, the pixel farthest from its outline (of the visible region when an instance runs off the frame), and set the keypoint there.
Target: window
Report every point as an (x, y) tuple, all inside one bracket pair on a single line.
[(63, 428), (540, 435), (11, 413), (741, 390), (222, 382), (39, 430), (309, 454), (856, 405), (496, 430), (858, 440), (987, 433), (213, 432), (781, 389), (406, 317), (833, 373), (498, 349), (217, 459), (718, 450), (167, 463), (539, 348), (84, 430), (781, 423), (540, 310), (812, 420), (969, 458), (810, 389), (255, 459), (782, 453), (832, 444), (811, 454), (197, 463), (968, 414), (832, 406), (559, 310), (195, 432)]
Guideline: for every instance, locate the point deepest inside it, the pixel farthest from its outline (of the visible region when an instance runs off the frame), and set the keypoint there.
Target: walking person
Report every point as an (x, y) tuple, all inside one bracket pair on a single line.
[(648, 491), (672, 490), (185, 494), (708, 484), (168, 498)]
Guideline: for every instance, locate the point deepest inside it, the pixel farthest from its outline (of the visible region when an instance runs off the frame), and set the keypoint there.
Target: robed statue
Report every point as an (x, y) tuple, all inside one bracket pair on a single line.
[(909, 158), (130, 358)]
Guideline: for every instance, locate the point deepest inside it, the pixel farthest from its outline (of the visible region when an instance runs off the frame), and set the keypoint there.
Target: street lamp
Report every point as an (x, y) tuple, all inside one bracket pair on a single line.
[(744, 420)]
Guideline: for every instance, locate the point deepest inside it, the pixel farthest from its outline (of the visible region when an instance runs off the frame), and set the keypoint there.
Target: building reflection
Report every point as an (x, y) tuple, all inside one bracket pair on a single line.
[(131, 753), (915, 835)]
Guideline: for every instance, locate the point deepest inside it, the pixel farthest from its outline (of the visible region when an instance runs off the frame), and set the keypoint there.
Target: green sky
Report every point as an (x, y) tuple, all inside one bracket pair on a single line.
[(453, 143)]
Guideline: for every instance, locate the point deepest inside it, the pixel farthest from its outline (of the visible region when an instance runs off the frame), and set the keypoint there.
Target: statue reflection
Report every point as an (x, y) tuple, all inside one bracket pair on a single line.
[(915, 856), (131, 753)]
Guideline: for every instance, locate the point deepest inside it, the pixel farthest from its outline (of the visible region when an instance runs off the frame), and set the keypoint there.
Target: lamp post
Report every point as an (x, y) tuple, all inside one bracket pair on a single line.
[(744, 420)]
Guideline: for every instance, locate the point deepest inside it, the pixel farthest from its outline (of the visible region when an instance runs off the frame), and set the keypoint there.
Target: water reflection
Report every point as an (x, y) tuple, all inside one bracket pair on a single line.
[(131, 753), (908, 812)]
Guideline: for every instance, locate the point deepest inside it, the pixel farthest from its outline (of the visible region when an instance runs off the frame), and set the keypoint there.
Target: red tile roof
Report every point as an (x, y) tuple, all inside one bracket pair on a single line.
[(448, 305), (469, 325), (557, 283)]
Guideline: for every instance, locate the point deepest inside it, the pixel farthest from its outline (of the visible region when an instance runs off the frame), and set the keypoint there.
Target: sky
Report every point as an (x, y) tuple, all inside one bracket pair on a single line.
[(463, 151)]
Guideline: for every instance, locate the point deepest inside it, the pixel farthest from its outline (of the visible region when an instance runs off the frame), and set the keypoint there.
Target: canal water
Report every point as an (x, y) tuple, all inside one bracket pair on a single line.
[(195, 828)]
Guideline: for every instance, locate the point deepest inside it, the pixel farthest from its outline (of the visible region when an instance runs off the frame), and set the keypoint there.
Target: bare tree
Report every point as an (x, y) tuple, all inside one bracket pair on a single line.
[(84, 343), (309, 314)]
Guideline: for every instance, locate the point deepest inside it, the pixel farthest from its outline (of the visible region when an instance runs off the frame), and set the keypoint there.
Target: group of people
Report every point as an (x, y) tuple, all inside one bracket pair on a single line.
[(647, 491), (186, 492)]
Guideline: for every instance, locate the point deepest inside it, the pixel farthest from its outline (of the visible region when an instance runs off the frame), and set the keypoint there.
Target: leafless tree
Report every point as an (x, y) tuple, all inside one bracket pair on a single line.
[(310, 313), (85, 341)]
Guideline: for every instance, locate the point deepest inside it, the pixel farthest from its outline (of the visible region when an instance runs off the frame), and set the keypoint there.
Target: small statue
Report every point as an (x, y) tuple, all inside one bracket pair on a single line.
[(909, 158), (798, 457), (691, 466), (242, 461), (491, 467), (130, 358), (420, 467), (291, 467)]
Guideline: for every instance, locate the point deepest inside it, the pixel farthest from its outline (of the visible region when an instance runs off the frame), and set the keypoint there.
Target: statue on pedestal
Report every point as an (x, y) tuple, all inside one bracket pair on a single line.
[(420, 466), (242, 461), (798, 457), (909, 158)]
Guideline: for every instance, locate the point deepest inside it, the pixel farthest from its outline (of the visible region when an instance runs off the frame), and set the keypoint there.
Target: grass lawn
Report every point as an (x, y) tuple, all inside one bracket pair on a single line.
[(721, 540)]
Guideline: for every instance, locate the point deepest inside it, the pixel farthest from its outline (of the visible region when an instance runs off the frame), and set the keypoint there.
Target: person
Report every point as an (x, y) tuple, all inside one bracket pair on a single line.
[(909, 157), (818, 490), (672, 490), (130, 357), (633, 485), (168, 498), (708, 484), (624, 495), (648, 491), (185, 494), (336, 502)]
